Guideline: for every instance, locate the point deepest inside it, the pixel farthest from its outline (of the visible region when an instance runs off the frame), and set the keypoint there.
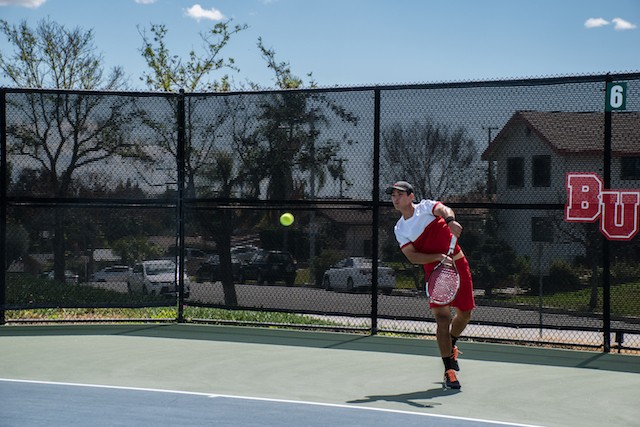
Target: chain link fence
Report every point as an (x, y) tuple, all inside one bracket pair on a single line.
[(165, 207)]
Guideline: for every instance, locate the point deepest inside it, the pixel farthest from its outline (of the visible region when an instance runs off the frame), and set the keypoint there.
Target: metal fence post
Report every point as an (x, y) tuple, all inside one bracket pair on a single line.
[(3, 203), (606, 247), (375, 212), (180, 202)]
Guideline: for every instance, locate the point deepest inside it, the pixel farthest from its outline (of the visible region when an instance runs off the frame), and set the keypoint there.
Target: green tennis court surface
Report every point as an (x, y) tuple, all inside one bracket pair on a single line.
[(214, 375)]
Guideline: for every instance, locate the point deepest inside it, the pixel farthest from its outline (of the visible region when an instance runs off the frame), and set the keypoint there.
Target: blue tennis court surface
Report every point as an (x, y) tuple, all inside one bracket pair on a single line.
[(36, 404)]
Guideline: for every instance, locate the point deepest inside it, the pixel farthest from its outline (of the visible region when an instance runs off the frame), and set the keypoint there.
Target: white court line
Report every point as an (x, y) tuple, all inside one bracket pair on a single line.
[(264, 399)]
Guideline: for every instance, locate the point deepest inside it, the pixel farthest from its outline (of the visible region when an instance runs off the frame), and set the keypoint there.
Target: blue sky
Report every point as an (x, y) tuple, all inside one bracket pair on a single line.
[(369, 42)]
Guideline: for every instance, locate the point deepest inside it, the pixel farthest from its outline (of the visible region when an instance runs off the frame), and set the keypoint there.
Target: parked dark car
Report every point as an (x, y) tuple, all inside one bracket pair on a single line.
[(210, 271), (244, 253), (270, 267)]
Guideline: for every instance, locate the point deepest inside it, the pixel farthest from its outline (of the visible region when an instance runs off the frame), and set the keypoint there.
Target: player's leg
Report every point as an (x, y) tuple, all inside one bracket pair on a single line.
[(443, 337), (464, 304), (443, 327), (458, 324)]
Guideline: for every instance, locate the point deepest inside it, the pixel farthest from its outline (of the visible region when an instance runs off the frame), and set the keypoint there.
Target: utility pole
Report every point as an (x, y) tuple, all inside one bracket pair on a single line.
[(340, 160), (491, 185)]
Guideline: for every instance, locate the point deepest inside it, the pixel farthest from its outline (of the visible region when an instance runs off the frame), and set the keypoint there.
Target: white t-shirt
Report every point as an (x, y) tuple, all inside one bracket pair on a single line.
[(427, 232)]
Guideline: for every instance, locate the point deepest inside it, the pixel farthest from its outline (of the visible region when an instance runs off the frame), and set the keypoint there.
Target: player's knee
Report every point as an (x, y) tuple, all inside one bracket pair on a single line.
[(443, 318), (465, 316)]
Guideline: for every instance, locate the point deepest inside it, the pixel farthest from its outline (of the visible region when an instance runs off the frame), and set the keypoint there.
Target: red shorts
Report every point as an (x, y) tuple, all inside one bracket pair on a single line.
[(464, 300)]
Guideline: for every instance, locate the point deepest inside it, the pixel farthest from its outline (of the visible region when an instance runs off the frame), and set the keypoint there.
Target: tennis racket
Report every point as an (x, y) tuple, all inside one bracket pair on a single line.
[(444, 281)]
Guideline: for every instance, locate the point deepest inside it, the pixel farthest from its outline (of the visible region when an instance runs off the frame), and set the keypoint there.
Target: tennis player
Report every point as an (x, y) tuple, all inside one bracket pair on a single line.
[(424, 233)]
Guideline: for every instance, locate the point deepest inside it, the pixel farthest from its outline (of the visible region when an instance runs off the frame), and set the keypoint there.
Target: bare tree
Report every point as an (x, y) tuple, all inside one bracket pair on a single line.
[(436, 160), (52, 56), (61, 133)]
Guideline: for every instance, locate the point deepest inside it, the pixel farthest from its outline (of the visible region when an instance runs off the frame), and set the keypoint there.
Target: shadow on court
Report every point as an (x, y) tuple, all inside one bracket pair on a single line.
[(411, 399)]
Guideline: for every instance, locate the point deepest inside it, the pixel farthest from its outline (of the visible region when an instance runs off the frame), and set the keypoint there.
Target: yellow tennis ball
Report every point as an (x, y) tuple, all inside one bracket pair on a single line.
[(286, 219)]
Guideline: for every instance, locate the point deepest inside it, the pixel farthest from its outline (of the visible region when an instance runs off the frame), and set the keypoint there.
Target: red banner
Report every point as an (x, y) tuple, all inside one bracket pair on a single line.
[(618, 210)]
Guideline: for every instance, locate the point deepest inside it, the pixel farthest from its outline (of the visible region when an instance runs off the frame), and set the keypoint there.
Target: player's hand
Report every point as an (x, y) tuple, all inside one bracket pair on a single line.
[(446, 259), (456, 228)]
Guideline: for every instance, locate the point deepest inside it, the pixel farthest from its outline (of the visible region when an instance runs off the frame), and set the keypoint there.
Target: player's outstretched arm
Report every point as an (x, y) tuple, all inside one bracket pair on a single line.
[(450, 217)]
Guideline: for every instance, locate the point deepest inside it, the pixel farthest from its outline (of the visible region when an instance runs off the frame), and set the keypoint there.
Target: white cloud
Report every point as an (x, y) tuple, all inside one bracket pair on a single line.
[(31, 4), (621, 24), (595, 22), (145, 1), (197, 12)]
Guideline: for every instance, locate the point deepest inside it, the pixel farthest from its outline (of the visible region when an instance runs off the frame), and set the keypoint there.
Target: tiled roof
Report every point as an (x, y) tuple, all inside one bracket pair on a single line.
[(568, 133), (351, 217)]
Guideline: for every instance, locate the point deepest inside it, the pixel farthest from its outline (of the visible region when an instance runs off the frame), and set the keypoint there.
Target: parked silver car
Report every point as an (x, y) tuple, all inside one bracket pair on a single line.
[(354, 273), (156, 277), (114, 273)]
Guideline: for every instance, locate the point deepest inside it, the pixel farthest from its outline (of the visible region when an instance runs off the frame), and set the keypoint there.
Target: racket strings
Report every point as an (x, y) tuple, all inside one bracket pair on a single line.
[(444, 283)]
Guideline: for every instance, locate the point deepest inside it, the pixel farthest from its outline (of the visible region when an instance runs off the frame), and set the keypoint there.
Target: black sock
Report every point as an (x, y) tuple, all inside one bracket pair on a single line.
[(447, 363), (453, 341)]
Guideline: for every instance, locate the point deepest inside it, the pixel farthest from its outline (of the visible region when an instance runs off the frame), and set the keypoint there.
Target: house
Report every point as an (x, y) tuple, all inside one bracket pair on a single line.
[(106, 256), (358, 229), (533, 152)]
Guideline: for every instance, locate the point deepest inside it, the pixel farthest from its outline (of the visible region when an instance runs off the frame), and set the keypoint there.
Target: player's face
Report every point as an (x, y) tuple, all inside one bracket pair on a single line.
[(400, 199)]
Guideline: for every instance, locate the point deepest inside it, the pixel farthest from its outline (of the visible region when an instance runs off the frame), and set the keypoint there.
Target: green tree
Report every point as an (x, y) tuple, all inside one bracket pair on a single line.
[(61, 133), (17, 243), (281, 140), (203, 157), (220, 223), (134, 249), (169, 73), (589, 237)]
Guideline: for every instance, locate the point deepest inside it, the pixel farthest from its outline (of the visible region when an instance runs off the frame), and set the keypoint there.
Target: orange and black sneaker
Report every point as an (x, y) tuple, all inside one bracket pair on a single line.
[(451, 380), (454, 358)]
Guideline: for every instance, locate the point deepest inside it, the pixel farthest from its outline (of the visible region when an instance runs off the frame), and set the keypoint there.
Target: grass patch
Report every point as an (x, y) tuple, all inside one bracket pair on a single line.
[(254, 316), (625, 300), (303, 277), (164, 313), (92, 314)]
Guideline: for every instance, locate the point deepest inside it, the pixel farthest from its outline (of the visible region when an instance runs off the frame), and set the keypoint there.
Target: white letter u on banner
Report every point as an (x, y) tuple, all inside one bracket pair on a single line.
[(619, 210)]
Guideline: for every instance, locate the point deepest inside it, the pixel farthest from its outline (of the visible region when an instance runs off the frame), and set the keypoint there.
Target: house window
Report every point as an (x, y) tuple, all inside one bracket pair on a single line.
[(541, 229), (630, 168), (541, 171), (515, 172)]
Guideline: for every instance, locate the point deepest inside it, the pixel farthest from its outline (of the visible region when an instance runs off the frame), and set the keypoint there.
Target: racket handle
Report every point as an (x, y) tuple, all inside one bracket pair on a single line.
[(452, 245)]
